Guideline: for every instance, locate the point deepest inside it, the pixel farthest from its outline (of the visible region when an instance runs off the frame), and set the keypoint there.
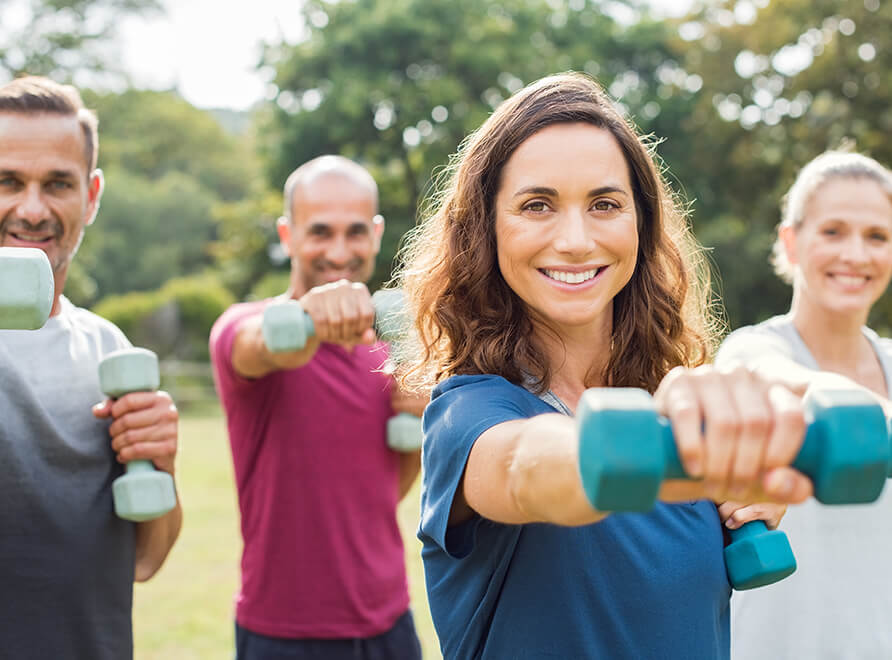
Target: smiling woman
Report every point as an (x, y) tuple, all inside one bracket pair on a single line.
[(555, 260), (835, 246)]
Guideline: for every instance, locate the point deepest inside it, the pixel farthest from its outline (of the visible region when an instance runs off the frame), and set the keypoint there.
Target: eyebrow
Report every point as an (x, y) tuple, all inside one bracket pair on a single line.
[(544, 190), (54, 174)]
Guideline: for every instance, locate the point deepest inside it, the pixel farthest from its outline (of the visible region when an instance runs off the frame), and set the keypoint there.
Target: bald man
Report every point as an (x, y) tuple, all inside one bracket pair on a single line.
[(323, 569)]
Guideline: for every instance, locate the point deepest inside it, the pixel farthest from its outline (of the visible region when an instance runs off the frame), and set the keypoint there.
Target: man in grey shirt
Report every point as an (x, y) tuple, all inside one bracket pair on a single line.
[(67, 563)]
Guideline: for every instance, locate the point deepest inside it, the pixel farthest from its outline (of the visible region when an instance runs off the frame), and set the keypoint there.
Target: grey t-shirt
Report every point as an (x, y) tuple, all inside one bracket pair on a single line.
[(838, 603), (66, 560)]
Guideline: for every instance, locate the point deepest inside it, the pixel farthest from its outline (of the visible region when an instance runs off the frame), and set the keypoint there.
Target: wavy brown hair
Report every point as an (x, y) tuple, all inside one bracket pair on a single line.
[(467, 318)]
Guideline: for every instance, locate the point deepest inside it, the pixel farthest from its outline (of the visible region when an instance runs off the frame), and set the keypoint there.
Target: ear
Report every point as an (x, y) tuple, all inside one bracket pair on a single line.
[(377, 231), (95, 186), (787, 235), (283, 226)]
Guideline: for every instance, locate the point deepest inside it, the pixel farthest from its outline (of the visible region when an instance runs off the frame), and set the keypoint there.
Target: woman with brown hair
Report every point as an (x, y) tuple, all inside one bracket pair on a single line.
[(554, 260)]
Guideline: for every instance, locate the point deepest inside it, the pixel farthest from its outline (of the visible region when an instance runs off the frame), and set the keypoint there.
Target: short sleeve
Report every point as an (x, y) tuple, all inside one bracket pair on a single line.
[(220, 343), (461, 409), (751, 343)]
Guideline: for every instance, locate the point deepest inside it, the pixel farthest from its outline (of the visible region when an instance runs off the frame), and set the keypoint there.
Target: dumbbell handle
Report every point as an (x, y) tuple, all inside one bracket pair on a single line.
[(143, 493)]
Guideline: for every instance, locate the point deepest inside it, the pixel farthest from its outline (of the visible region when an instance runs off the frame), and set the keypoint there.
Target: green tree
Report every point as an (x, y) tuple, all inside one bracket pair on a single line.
[(61, 38), (782, 82), (171, 173), (397, 84)]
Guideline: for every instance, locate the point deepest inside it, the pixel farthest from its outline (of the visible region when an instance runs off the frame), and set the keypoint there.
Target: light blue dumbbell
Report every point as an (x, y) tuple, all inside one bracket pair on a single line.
[(287, 327), (142, 493), (626, 450), (26, 288)]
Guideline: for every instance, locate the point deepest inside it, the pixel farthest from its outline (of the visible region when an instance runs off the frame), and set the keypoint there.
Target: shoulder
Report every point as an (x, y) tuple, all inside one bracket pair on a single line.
[(90, 323), (465, 406), (883, 344), (480, 384), (225, 326), (774, 335)]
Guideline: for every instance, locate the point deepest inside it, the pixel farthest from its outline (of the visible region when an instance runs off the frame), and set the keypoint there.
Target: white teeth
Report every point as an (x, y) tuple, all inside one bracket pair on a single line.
[(570, 278), (850, 280)]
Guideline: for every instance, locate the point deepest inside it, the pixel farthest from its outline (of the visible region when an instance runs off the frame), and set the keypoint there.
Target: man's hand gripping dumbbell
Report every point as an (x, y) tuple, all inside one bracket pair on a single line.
[(343, 313)]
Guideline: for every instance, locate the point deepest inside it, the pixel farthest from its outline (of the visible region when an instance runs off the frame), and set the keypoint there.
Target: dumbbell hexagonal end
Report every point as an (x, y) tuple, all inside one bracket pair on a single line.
[(143, 495), (286, 327), (849, 437), (621, 459), (391, 322), (759, 559), (404, 432), (26, 288), (129, 370)]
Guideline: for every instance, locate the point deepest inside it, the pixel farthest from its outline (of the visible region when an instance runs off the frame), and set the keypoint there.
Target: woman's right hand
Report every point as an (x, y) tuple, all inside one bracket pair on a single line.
[(737, 431)]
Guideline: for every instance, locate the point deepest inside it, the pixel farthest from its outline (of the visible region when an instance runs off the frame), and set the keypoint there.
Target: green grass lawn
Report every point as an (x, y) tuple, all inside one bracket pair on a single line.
[(185, 611)]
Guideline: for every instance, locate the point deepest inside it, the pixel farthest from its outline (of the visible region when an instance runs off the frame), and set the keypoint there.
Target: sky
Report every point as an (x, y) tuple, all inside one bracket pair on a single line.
[(209, 49)]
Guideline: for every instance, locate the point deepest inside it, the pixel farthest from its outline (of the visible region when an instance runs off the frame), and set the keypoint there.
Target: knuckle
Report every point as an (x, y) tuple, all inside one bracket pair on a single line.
[(756, 424)]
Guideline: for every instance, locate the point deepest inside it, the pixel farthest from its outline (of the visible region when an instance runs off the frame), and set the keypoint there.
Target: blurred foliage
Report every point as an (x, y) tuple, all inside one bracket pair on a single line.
[(174, 320), (68, 40), (739, 93), (398, 84), (172, 176), (782, 82)]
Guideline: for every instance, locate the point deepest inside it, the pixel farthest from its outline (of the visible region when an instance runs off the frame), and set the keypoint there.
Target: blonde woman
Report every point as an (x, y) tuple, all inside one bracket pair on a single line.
[(835, 247)]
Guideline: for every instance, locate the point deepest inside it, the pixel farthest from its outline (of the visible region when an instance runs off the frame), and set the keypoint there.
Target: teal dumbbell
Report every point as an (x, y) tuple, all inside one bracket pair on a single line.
[(626, 450), (26, 288), (287, 327), (142, 493)]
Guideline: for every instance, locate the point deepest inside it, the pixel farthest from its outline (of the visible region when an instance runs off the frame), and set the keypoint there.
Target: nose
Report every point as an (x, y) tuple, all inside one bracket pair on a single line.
[(855, 249), (338, 251), (33, 207), (574, 235)]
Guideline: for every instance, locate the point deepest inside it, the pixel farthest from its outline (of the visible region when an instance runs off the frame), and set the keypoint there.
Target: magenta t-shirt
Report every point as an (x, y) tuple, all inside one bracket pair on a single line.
[(318, 490)]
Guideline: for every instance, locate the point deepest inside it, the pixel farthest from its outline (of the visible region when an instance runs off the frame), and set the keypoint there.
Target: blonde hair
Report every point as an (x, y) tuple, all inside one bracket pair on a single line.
[(829, 165)]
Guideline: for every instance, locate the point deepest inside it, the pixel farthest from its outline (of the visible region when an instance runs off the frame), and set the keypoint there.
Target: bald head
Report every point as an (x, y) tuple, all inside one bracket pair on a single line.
[(334, 168), (331, 228)]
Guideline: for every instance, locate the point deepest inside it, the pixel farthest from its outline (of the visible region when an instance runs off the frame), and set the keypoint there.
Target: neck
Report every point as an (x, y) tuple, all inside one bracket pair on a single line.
[(834, 338), (59, 277), (573, 354)]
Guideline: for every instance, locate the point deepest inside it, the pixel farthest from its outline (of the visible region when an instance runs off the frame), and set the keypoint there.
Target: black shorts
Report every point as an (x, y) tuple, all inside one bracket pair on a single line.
[(398, 643)]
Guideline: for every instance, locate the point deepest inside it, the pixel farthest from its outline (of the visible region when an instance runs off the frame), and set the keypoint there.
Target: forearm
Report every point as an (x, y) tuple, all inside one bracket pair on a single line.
[(252, 359), (154, 539), (410, 466), (543, 477)]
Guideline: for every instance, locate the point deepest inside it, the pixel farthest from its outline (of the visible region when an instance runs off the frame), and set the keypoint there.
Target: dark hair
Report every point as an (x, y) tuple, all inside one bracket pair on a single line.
[(36, 94), (468, 320)]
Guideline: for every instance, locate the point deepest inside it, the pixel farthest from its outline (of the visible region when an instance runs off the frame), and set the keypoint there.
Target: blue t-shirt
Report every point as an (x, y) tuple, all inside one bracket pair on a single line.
[(631, 586)]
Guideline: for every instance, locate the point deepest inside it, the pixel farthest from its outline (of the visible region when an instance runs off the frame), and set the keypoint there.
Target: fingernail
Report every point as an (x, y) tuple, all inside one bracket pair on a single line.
[(694, 468)]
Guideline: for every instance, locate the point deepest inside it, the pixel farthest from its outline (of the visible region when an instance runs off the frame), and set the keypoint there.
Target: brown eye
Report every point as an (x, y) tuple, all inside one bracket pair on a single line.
[(605, 205), (536, 206)]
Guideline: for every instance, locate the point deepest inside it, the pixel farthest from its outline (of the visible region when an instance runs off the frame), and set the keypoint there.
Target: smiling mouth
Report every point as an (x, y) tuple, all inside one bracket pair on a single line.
[(27, 237), (572, 278), (851, 280)]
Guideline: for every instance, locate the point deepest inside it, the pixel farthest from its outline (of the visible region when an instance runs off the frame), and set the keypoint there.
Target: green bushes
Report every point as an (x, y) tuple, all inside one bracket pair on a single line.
[(173, 321)]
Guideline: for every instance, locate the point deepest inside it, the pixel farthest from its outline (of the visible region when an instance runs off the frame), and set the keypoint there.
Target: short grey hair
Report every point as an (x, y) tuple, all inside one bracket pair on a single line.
[(829, 165)]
